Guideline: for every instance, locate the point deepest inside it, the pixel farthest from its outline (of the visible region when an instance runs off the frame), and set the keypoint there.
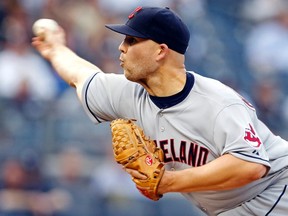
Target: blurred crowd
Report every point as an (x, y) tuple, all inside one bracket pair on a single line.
[(54, 161)]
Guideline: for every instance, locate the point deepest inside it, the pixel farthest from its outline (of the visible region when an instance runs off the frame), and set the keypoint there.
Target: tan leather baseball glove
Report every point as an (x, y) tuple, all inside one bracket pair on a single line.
[(135, 151)]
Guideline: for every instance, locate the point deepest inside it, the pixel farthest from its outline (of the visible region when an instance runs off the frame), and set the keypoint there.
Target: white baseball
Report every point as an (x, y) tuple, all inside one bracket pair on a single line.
[(40, 25)]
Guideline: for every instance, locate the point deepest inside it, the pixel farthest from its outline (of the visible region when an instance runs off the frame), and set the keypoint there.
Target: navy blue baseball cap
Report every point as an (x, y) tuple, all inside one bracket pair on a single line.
[(161, 25)]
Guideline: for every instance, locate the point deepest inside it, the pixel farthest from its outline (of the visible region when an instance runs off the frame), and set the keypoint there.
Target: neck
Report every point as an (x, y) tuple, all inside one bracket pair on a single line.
[(165, 83)]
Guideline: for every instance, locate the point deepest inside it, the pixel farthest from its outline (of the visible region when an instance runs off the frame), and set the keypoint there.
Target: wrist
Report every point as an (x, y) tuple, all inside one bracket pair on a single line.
[(166, 182)]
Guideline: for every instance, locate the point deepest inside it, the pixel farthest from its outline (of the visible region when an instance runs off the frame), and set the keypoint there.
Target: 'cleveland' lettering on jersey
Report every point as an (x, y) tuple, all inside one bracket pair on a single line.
[(196, 156)]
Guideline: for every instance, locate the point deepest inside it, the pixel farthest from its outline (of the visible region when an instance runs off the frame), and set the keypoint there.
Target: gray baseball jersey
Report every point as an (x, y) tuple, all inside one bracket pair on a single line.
[(199, 124)]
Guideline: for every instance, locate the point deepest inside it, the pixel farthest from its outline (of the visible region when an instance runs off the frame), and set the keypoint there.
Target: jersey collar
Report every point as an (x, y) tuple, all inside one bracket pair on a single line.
[(166, 102)]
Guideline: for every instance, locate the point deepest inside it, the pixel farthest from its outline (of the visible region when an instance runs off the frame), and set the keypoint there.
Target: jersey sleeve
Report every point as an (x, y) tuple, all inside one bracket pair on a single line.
[(235, 133), (108, 96)]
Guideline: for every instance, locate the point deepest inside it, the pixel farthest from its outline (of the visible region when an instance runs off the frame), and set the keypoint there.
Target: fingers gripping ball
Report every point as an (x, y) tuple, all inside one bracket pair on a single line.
[(134, 150), (41, 25)]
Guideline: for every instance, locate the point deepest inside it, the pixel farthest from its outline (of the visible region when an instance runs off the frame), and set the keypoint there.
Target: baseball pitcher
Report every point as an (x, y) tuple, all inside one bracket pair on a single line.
[(174, 130)]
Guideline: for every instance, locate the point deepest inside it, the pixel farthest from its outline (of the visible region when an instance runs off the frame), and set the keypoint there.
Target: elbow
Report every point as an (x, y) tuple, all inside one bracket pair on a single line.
[(257, 172), (254, 173)]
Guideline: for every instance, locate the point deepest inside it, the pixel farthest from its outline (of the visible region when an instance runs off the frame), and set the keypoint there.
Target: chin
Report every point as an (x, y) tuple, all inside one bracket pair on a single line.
[(127, 75), (131, 76)]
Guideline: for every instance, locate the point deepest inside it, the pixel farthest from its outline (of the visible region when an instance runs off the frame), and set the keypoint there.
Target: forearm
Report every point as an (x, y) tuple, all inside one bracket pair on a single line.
[(70, 67), (224, 173)]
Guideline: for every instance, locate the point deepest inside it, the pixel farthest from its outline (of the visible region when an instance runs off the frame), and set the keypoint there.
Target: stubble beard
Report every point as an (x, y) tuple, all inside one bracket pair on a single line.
[(134, 74)]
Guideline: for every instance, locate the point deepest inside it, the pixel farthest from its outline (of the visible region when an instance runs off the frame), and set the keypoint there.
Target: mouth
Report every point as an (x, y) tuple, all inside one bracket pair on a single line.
[(121, 62)]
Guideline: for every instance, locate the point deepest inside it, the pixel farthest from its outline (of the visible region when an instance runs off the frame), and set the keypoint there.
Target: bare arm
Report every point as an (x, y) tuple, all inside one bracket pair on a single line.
[(226, 172), (71, 68)]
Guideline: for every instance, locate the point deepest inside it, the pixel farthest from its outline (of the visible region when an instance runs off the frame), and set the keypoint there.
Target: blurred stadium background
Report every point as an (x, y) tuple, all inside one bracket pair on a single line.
[(54, 161)]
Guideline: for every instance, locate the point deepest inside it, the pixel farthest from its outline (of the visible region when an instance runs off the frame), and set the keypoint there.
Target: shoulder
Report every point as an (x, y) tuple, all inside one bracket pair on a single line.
[(212, 88), (107, 79), (111, 82), (216, 94)]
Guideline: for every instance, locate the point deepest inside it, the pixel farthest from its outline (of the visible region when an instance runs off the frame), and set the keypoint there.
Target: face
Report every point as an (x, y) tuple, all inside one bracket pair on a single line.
[(138, 58)]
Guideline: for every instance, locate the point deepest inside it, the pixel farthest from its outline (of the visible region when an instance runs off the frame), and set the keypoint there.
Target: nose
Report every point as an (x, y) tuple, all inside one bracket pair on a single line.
[(122, 47)]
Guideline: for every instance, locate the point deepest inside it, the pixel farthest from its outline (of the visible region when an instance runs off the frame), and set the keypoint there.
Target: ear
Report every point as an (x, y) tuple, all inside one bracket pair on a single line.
[(163, 51)]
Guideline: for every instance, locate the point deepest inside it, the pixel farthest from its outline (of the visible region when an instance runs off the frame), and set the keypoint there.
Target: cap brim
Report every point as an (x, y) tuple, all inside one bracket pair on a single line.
[(125, 30)]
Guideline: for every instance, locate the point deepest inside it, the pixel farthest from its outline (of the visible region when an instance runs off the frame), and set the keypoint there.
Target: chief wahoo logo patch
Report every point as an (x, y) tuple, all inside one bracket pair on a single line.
[(251, 137)]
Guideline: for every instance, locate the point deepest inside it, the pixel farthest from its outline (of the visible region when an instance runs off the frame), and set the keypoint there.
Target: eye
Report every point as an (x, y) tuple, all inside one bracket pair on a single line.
[(130, 40)]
